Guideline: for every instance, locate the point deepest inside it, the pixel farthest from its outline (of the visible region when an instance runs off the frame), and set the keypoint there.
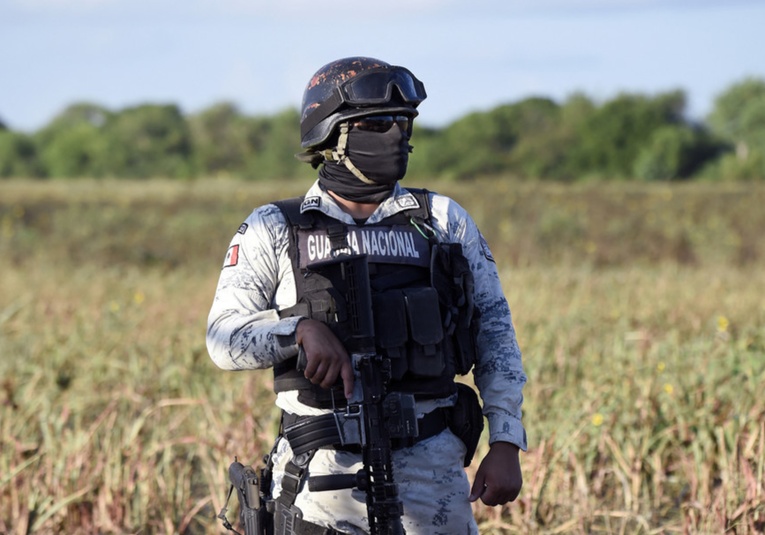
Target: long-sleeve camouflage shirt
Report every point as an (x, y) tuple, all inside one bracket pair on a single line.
[(245, 331)]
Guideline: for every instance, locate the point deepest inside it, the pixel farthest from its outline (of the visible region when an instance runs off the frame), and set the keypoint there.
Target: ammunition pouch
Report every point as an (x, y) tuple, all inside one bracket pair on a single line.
[(466, 420), (451, 273), (409, 332)]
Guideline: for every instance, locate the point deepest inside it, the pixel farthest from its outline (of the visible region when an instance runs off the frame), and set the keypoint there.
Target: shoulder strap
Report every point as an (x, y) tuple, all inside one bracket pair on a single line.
[(291, 210), (421, 216), (422, 212), (297, 221)]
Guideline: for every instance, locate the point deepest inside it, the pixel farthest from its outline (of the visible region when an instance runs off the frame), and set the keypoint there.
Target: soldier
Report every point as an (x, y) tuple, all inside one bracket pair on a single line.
[(439, 311)]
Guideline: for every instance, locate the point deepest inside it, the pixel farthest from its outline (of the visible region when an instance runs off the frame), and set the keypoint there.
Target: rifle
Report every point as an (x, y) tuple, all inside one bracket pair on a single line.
[(372, 417)]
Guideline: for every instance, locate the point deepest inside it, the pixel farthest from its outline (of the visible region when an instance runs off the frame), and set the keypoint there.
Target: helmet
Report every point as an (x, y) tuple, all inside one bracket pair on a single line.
[(355, 87)]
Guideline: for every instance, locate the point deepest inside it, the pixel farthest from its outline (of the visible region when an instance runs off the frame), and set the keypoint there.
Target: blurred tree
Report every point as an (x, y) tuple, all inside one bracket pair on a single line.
[(72, 144), (673, 152), (426, 147), (18, 156), (738, 117), (577, 109), (542, 143), (273, 142), (219, 137), (629, 136), (575, 112), (608, 140), (732, 166), (481, 143), (76, 152), (79, 113), (739, 113), (149, 140), (473, 145)]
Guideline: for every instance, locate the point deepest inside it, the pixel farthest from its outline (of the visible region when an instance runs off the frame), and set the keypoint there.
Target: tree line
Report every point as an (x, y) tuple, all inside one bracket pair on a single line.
[(631, 136)]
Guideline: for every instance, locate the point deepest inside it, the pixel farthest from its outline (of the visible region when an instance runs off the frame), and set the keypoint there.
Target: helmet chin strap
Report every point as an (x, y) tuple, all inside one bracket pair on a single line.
[(339, 155)]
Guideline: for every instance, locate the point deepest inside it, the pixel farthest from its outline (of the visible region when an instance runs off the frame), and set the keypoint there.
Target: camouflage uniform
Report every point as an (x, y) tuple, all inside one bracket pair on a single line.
[(245, 332)]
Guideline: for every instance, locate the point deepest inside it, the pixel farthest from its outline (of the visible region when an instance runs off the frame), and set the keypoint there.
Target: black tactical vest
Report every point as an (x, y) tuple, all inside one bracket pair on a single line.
[(422, 295)]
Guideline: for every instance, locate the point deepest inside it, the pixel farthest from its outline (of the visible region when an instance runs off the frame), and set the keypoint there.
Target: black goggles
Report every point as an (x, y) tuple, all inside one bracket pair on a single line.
[(372, 87), (375, 86), (382, 123)]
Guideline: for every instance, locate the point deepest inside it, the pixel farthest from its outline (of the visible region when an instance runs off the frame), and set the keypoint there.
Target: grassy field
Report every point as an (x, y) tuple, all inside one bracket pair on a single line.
[(639, 309)]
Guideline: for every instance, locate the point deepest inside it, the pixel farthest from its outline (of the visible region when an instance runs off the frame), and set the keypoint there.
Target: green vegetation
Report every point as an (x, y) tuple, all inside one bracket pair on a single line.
[(631, 136), (638, 307)]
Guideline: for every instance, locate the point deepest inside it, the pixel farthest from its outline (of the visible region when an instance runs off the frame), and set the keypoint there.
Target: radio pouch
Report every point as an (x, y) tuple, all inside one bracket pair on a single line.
[(466, 420)]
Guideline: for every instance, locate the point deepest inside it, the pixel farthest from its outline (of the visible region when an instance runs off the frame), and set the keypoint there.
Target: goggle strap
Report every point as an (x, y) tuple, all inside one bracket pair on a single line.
[(342, 140), (311, 157), (321, 112), (356, 172), (338, 155)]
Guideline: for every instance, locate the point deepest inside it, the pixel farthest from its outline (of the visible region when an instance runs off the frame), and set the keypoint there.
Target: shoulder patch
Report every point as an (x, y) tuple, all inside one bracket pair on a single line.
[(242, 228), (310, 202), (485, 249), (407, 201), (232, 256)]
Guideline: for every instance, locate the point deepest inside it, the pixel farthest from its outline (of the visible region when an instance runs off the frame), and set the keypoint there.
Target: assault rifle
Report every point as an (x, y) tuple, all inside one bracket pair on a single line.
[(373, 416)]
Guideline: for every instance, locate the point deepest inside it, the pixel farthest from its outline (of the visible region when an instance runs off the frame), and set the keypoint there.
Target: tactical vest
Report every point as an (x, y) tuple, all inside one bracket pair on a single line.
[(425, 321)]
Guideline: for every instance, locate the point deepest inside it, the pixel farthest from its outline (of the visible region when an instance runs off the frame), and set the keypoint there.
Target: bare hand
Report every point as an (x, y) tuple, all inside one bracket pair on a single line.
[(499, 478), (325, 356)]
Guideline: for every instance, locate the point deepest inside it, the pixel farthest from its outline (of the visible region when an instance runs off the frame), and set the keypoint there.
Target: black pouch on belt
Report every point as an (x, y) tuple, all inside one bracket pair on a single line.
[(466, 419)]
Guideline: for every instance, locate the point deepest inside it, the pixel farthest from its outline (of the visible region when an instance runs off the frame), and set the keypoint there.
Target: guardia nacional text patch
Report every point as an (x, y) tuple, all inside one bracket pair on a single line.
[(398, 244)]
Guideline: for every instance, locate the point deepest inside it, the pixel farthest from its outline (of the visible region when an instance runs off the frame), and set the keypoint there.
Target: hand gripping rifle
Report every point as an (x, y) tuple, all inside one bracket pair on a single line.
[(373, 416)]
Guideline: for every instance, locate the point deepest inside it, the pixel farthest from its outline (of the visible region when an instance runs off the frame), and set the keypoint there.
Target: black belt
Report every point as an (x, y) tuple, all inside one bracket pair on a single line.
[(306, 433)]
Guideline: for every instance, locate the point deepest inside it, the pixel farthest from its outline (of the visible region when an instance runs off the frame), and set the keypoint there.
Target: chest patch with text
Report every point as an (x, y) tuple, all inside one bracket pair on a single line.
[(393, 245)]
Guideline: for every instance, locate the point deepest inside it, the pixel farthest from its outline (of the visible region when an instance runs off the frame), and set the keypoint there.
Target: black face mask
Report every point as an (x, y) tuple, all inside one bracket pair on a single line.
[(381, 156)]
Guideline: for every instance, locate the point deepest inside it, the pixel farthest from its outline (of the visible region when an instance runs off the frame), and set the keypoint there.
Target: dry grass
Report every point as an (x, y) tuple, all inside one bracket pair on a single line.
[(643, 408)]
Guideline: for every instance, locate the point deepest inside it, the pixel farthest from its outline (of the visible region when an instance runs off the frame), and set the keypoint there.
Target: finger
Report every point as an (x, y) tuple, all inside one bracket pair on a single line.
[(331, 376), (479, 487), (346, 372), (311, 364), (498, 495), (318, 374), (491, 496)]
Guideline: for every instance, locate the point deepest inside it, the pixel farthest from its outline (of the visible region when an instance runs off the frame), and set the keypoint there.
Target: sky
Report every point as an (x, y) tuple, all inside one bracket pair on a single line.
[(472, 55)]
